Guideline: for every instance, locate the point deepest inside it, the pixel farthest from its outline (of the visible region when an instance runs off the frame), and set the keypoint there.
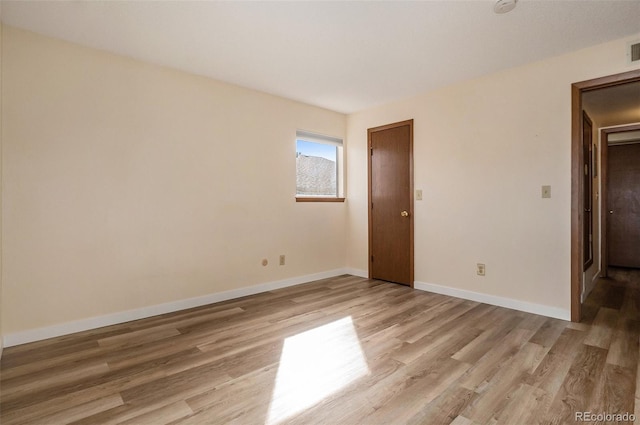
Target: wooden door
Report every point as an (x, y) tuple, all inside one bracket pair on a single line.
[(623, 205), (391, 202), (587, 141)]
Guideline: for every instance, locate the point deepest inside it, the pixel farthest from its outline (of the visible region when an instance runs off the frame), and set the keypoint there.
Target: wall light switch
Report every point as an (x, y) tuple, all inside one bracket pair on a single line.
[(418, 194), (546, 191)]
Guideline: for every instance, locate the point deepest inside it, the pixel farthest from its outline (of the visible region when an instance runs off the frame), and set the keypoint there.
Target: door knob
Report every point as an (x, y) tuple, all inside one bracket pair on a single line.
[(610, 211), (404, 214)]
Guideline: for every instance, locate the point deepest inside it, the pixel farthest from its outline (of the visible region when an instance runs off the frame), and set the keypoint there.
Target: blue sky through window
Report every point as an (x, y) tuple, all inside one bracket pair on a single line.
[(316, 149)]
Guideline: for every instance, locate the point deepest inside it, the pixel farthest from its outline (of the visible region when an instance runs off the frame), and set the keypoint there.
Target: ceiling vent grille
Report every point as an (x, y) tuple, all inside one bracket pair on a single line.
[(635, 52)]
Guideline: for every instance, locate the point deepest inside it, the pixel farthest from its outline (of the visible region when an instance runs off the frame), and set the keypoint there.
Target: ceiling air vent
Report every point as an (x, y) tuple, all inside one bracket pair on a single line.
[(635, 52)]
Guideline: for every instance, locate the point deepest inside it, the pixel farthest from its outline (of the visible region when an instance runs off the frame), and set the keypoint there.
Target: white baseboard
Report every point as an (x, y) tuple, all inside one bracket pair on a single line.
[(357, 272), (38, 334), (543, 310)]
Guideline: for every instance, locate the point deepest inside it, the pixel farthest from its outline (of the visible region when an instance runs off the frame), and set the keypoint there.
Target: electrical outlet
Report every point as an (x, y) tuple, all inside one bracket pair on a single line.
[(480, 269), (282, 260), (418, 194)]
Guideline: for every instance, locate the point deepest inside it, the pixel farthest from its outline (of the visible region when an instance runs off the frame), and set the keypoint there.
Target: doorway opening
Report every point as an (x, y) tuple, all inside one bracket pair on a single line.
[(620, 162), (584, 218)]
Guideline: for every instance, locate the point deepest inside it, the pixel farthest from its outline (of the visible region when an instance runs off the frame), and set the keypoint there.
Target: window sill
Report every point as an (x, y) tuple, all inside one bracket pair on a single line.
[(317, 199)]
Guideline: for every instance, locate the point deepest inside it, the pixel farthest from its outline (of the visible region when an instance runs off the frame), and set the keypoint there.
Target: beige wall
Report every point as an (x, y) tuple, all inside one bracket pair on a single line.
[(129, 185), (482, 151)]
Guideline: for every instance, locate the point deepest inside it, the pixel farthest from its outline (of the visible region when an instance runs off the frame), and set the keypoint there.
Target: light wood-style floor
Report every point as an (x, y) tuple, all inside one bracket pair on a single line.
[(338, 351)]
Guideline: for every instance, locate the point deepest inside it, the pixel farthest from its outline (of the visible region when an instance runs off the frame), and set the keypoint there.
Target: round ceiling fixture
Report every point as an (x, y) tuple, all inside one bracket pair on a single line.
[(504, 6)]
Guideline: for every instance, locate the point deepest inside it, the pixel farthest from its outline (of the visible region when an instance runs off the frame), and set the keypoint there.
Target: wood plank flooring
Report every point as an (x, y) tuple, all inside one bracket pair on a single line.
[(344, 350)]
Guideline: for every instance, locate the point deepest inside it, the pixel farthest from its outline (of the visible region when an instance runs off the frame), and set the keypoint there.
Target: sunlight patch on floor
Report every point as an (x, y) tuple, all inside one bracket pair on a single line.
[(315, 364)]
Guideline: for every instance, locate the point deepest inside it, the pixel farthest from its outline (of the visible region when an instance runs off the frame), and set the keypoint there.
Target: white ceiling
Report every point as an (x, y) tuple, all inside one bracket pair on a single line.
[(344, 56), (615, 105)]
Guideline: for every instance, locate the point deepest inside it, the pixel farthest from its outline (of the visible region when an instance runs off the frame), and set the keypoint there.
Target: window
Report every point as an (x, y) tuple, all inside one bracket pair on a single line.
[(318, 172)]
